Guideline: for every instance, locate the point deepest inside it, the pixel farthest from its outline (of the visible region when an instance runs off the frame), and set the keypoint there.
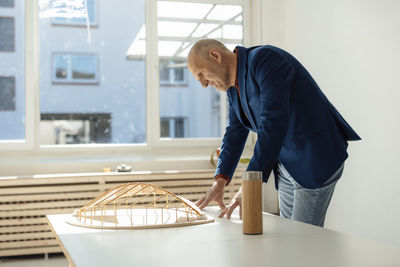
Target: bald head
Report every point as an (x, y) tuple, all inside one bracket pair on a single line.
[(212, 64), (201, 48)]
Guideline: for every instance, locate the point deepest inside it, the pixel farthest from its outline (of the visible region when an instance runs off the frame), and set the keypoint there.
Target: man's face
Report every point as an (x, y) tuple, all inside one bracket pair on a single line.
[(209, 72)]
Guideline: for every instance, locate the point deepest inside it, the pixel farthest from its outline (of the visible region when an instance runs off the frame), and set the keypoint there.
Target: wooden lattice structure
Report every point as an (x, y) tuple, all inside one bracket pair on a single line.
[(138, 205)]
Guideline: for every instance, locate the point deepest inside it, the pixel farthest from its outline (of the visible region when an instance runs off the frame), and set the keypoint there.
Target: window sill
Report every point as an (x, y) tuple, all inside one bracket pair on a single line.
[(161, 159)]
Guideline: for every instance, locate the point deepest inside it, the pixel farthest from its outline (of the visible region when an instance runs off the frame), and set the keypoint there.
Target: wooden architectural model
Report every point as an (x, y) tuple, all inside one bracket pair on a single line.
[(138, 205)]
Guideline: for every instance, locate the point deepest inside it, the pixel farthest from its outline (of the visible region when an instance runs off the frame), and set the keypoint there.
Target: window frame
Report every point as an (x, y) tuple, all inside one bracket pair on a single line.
[(155, 147)]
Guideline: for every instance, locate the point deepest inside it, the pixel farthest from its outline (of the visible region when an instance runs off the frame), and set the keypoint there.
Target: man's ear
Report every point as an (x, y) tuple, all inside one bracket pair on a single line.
[(215, 55)]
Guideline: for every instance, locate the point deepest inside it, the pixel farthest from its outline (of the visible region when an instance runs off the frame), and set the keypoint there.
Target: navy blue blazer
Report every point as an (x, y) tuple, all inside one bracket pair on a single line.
[(294, 121)]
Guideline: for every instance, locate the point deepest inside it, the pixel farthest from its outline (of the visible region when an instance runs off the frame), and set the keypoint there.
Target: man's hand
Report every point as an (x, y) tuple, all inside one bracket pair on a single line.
[(216, 193), (236, 201)]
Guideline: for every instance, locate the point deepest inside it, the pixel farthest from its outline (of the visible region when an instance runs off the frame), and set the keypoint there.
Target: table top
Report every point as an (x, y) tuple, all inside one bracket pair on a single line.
[(221, 243)]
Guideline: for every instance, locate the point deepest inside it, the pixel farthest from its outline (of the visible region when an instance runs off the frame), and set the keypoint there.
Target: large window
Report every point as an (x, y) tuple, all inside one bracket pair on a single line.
[(180, 25), (90, 74), (76, 73), (12, 71)]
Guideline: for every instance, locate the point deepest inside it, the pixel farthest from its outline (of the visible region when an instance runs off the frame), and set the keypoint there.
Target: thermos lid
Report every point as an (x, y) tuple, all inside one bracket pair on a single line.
[(252, 175)]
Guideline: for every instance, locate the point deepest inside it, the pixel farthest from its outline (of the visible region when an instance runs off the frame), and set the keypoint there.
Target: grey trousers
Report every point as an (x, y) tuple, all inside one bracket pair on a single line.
[(303, 204)]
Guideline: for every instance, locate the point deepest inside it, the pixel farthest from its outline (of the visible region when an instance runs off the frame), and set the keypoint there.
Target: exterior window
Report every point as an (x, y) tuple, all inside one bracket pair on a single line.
[(7, 93), (80, 13), (173, 73), (179, 128), (164, 123), (173, 127), (6, 3), (74, 68), (63, 129), (6, 34)]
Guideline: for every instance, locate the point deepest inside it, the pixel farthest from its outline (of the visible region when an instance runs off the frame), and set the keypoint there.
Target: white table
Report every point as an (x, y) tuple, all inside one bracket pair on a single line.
[(284, 243)]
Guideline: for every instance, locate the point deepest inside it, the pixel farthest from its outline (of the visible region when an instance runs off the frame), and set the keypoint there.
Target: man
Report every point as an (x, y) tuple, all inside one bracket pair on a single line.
[(301, 136)]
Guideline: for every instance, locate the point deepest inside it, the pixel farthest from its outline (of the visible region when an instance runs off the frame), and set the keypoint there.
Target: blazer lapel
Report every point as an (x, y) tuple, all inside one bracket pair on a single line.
[(242, 73)]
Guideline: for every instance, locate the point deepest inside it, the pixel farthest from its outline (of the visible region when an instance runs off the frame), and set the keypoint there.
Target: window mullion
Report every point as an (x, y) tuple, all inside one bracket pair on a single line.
[(251, 23), (152, 73), (32, 108)]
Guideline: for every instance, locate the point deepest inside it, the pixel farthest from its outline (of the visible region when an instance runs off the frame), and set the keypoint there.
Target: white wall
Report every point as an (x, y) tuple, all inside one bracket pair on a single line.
[(352, 48)]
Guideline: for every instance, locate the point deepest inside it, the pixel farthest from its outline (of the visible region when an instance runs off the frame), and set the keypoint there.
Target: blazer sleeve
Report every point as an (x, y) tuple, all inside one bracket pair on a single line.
[(274, 76), (232, 144)]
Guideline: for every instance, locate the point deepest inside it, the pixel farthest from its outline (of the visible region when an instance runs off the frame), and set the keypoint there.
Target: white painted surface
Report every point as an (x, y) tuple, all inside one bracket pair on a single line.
[(352, 49), (284, 243)]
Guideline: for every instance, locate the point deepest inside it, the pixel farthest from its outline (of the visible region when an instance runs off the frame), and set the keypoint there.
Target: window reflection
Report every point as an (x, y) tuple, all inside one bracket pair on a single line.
[(75, 128), (74, 12)]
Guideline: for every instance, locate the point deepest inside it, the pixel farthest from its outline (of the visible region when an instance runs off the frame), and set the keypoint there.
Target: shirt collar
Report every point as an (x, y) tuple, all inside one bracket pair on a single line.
[(237, 66)]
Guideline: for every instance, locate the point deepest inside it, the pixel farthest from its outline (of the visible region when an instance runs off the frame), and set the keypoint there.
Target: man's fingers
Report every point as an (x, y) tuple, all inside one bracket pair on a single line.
[(230, 210), (221, 204), (204, 203), (223, 212), (200, 201)]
